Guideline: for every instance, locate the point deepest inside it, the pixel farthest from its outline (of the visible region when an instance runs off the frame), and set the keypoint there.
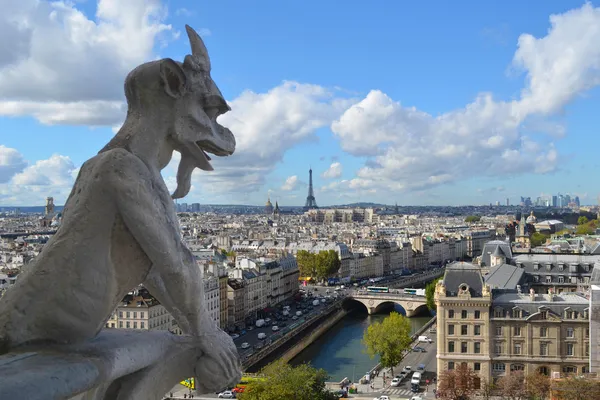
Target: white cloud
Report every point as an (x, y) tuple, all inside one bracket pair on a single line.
[(409, 149), (62, 67), (290, 183), (52, 177), (334, 171), (11, 163), (55, 171)]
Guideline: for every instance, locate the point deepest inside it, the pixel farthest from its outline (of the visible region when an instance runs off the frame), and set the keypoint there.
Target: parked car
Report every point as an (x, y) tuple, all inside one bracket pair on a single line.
[(228, 394), (395, 382), (245, 345), (234, 336), (275, 328)]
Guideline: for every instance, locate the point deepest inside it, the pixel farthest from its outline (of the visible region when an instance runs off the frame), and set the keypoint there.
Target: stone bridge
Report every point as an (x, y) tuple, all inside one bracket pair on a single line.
[(412, 304)]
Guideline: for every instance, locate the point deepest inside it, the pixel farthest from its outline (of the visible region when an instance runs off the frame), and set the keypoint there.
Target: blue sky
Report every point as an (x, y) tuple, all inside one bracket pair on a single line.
[(381, 94)]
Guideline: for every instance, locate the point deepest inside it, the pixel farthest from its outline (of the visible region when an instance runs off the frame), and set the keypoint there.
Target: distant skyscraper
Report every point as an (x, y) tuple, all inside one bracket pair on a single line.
[(507, 202), (311, 202), (554, 201)]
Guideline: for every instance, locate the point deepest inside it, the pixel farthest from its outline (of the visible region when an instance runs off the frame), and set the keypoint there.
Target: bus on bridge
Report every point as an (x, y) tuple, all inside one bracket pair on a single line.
[(378, 289)]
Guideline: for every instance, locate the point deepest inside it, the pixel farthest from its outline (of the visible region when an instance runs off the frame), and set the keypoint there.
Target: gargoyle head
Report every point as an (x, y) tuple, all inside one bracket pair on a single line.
[(200, 102), (181, 102)]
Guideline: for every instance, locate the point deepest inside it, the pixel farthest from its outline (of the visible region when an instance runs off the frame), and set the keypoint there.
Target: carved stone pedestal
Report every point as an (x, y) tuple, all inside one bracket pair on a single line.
[(117, 364)]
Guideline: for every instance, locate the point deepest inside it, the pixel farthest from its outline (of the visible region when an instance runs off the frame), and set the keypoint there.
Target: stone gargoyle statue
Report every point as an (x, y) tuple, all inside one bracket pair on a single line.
[(120, 227)]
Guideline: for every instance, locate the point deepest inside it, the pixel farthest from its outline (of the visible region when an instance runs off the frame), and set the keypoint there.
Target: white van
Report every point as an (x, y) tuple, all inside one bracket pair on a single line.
[(262, 336), (424, 339), (416, 378)]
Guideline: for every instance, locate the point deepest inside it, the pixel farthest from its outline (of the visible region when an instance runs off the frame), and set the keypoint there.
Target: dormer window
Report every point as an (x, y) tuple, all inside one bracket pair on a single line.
[(536, 266), (548, 267), (573, 267), (544, 314), (561, 267), (516, 313), (498, 313), (568, 313), (519, 265)]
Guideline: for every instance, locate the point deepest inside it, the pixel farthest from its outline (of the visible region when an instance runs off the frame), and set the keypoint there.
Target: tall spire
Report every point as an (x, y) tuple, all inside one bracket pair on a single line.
[(311, 202)]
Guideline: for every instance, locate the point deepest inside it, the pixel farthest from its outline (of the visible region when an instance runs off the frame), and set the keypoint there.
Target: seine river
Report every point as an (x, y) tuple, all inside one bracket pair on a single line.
[(340, 351)]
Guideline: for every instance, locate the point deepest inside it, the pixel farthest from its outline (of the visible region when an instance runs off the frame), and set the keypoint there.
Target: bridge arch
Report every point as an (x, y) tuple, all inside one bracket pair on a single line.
[(412, 305), (387, 304)]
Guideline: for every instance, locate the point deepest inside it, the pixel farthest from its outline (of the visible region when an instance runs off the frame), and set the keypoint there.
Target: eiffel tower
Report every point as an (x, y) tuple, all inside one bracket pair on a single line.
[(311, 203)]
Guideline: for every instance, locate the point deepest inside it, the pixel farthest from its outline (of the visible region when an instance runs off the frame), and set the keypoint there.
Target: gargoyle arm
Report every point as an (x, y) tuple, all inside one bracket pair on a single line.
[(174, 279)]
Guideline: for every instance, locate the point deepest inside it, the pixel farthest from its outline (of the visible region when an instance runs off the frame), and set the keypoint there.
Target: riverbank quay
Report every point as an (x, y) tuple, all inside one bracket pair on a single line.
[(296, 340), (377, 372)]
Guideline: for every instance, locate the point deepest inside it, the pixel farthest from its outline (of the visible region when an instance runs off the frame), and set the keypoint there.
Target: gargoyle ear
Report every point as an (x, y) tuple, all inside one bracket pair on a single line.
[(173, 77)]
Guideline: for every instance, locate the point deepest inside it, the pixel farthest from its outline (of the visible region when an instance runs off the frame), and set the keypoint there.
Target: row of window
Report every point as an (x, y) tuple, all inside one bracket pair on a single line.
[(518, 313), (543, 330), (561, 279), (464, 314), (561, 267), (518, 349), (464, 330), (128, 314), (464, 347), (567, 369)]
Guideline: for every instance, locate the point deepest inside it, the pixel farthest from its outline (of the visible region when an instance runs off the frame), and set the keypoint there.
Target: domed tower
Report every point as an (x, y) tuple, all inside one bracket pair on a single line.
[(269, 207)]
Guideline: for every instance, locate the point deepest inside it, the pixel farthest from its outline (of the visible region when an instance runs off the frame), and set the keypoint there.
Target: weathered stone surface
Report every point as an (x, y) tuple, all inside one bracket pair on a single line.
[(120, 229)]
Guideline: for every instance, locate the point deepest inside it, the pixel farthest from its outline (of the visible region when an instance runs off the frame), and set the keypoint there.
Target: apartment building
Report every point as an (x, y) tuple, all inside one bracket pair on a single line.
[(290, 274), (495, 331), (341, 215), (463, 304), (220, 271), (212, 298), (140, 310), (376, 246), (559, 272), (475, 240), (237, 303)]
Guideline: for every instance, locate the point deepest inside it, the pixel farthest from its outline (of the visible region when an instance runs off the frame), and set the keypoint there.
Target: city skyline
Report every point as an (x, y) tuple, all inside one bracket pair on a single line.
[(419, 105)]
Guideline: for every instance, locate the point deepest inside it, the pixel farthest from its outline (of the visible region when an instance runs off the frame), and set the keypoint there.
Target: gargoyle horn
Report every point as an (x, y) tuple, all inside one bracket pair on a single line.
[(199, 59)]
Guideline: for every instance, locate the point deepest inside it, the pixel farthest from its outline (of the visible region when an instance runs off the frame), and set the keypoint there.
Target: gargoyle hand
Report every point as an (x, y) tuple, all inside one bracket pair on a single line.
[(220, 367)]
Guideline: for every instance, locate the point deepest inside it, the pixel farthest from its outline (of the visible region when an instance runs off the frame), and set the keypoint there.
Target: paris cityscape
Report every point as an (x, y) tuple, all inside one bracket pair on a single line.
[(191, 209)]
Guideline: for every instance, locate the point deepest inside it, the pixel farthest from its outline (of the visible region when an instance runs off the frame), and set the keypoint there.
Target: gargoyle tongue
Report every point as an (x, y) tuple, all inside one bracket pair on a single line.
[(192, 157)]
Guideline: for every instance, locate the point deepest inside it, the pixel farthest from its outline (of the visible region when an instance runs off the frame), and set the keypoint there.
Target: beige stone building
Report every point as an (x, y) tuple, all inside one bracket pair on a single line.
[(139, 310), (502, 330)]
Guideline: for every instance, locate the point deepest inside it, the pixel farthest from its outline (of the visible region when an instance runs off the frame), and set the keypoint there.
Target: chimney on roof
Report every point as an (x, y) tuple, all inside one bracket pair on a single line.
[(519, 289), (532, 294), (550, 294)]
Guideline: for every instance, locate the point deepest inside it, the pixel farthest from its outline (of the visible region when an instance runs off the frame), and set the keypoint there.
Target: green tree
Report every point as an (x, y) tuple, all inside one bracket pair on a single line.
[(473, 218), (282, 381), (582, 220), (430, 293), (537, 239), (231, 254), (389, 339), (589, 228), (306, 263)]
